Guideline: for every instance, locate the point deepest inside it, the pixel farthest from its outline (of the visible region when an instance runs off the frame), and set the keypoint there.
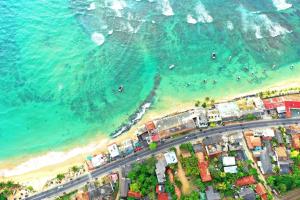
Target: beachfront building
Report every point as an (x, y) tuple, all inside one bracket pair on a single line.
[(201, 118), (99, 160), (213, 116), (127, 147), (229, 111), (251, 105), (113, 150), (285, 106)]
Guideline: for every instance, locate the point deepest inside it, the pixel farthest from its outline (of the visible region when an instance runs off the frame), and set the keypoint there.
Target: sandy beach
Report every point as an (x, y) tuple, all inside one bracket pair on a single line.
[(37, 170)]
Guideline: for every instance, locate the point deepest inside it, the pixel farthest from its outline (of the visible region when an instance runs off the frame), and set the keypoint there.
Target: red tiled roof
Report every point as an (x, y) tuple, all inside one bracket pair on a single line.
[(291, 105), (163, 196), (136, 195), (247, 180), (273, 103), (204, 172), (155, 137), (150, 126), (261, 191), (296, 141)]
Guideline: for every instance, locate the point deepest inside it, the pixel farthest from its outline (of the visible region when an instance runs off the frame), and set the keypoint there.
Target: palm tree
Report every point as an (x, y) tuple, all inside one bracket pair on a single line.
[(206, 99)]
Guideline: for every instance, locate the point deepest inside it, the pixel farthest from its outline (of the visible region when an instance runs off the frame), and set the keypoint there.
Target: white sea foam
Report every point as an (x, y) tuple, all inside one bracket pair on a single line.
[(274, 28), (281, 4), (117, 6), (49, 159), (137, 117), (258, 34), (190, 19), (230, 25), (98, 38), (202, 14), (166, 8), (110, 32), (92, 6), (261, 24)]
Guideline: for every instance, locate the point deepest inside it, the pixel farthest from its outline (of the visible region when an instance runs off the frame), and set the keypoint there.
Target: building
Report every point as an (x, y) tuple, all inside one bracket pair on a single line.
[(251, 105), (113, 150), (160, 169), (229, 111), (279, 138), (247, 180), (213, 116), (296, 141), (247, 193), (230, 169), (201, 118), (163, 196), (204, 171), (213, 145), (127, 147), (261, 191), (286, 106), (265, 162), (99, 160), (82, 195), (124, 187), (266, 133), (135, 195), (228, 161), (197, 148), (170, 157), (211, 194), (253, 143), (280, 153)]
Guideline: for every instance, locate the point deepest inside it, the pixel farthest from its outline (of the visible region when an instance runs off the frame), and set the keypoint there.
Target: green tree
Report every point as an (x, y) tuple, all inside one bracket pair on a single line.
[(152, 145), (60, 177), (282, 188), (135, 187), (75, 169), (198, 103)]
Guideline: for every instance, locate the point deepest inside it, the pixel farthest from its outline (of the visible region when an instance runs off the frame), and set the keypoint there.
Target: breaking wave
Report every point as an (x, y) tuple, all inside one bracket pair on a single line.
[(281, 4)]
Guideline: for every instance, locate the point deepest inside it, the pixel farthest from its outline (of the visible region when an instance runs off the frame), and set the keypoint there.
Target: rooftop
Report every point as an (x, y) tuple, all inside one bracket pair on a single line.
[(247, 194), (170, 157), (211, 194), (261, 191), (281, 152), (247, 180), (204, 172), (228, 160), (228, 109)]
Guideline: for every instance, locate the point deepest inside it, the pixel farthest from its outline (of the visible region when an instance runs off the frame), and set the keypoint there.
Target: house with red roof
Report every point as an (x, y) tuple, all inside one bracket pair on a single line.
[(296, 141), (204, 172), (247, 180), (261, 191), (135, 195), (163, 196)]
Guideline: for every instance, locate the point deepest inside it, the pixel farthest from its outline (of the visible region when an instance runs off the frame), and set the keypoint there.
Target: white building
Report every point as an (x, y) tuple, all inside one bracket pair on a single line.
[(264, 132), (228, 161), (229, 111), (201, 118), (213, 115), (231, 169), (99, 160), (113, 150), (170, 157)]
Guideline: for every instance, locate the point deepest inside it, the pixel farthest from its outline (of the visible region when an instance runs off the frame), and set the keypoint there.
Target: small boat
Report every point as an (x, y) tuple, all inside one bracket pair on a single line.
[(238, 78), (121, 88), (110, 32), (213, 55), (153, 22), (204, 81), (292, 66), (171, 67), (274, 66)]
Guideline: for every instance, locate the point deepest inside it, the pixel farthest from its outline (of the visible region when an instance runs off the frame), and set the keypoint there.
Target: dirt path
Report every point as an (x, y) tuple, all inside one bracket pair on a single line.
[(292, 195), (186, 189)]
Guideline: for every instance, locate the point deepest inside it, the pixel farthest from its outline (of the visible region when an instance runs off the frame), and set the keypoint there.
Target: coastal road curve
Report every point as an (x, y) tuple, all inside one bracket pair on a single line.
[(80, 181)]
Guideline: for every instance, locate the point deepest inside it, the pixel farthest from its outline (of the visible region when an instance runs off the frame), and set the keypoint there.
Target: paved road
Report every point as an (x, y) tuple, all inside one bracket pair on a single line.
[(74, 184)]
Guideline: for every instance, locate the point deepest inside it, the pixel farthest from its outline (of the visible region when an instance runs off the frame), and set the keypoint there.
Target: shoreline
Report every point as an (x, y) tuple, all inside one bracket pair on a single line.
[(60, 161)]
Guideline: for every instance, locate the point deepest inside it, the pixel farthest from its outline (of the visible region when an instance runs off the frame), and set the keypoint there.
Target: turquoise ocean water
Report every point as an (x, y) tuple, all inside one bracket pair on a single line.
[(62, 61)]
